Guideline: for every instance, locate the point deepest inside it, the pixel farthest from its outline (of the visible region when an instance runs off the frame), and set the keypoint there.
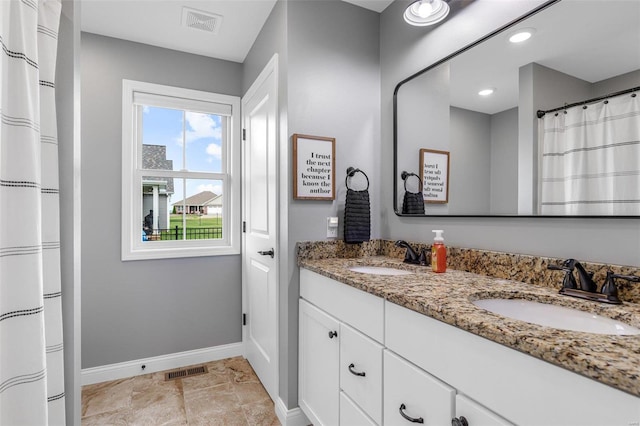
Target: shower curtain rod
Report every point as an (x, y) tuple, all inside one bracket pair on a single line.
[(541, 113)]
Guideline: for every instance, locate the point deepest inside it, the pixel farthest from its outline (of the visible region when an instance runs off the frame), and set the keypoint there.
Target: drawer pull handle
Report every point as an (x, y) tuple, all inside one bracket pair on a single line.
[(355, 373), (459, 421), (333, 334), (411, 419)]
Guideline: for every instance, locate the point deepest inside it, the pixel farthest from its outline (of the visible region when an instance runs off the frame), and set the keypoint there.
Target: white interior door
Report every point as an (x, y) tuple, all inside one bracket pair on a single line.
[(260, 274)]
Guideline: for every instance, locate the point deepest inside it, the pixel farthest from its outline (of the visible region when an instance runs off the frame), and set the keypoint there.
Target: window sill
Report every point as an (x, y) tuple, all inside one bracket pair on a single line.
[(174, 253)]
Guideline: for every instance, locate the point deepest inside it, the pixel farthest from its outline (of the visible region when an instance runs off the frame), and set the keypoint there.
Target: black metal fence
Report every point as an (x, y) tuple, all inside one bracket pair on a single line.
[(190, 234)]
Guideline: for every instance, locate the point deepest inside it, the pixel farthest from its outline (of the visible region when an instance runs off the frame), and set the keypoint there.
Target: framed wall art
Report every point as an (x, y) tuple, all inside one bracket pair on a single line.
[(314, 172), (434, 174)]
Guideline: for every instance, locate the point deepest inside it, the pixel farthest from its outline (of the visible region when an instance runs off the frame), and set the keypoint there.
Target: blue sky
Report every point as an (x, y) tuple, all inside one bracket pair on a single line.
[(202, 133)]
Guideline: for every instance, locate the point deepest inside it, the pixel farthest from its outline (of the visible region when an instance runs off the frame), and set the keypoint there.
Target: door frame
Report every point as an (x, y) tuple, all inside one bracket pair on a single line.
[(270, 68)]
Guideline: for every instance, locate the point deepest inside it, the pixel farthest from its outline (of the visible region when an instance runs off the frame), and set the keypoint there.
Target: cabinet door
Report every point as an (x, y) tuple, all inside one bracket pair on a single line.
[(411, 391), (476, 414), (351, 414), (361, 371), (318, 374)]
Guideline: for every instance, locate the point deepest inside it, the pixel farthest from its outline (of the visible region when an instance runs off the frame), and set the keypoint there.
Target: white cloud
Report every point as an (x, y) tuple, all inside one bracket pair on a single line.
[(215, 188), (201, 126), (145, 109), (214, 150)]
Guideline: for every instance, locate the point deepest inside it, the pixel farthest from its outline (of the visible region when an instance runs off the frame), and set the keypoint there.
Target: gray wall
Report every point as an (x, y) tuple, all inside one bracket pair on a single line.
[(470, 162), (616, 84), (504, 162), (423, 122), (329, 86), (405, 50), (138, 309), (333, 91)]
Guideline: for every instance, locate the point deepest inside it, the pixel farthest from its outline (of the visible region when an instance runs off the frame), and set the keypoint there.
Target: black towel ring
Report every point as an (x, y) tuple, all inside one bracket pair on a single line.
[(350, 172), (405, 177)]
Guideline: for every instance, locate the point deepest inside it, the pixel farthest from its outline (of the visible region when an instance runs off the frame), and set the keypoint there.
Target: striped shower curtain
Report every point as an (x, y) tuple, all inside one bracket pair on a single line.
[(31, 352), (590, 159)]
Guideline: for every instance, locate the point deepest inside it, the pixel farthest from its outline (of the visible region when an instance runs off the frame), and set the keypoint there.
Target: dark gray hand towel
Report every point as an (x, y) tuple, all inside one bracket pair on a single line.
[(413, 203), (357, 217)]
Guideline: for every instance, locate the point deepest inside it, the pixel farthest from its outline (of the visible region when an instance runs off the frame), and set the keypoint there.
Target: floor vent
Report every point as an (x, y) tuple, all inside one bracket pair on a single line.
[(185, 372)]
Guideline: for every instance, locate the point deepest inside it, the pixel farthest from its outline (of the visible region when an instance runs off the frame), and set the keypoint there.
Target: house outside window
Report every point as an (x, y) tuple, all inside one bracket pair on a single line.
[(180, 183)]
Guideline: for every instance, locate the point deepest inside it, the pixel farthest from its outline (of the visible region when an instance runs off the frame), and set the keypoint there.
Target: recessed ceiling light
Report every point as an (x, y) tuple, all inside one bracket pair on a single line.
[(521, 35), (426, 12), (486, 92)]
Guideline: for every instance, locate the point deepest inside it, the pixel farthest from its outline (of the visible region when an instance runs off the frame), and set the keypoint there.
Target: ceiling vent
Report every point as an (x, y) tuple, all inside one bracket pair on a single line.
[(199, 20)]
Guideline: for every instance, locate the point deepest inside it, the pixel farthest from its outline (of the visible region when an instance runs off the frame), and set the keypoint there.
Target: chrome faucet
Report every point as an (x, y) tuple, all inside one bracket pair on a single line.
[(410, 255)]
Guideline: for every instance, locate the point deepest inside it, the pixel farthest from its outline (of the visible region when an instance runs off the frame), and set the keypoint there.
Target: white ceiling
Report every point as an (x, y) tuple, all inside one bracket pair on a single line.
[(590, 40), (375, 5), (158, 23), (569, 36)]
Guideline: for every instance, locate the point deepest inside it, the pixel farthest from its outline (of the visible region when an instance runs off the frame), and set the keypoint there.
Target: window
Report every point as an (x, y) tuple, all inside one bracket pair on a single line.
[(180, 172)]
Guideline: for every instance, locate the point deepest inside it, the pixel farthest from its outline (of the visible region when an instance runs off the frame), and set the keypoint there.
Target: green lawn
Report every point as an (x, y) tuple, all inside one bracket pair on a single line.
[(197, 228), (194, 221)]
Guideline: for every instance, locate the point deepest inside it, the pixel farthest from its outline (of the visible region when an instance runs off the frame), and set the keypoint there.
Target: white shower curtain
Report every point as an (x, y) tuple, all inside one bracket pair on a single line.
[(31, 350), (590, 159)]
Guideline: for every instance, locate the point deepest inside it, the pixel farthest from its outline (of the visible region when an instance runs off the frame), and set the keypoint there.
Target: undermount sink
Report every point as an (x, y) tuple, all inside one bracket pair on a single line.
[(555, 316), (379, 270)]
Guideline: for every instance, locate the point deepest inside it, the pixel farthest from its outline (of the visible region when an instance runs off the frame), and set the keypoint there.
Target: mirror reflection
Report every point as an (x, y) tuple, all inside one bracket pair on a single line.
[(481, 107)]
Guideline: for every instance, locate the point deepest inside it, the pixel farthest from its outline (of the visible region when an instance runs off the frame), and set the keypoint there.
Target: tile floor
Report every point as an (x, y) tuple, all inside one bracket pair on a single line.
[(229, 394)]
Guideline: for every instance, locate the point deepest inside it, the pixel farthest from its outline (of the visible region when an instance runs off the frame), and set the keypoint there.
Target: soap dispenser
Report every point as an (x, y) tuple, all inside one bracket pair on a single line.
[(438, 253)]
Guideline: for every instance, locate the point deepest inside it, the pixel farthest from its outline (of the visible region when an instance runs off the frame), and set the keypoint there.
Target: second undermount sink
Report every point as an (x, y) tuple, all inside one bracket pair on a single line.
[(379, 270), (556, 316)]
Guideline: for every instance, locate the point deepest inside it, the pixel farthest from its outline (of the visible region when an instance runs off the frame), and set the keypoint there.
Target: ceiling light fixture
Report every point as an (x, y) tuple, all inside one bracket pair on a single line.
[(486, 92), (521, 35), (426, 12)]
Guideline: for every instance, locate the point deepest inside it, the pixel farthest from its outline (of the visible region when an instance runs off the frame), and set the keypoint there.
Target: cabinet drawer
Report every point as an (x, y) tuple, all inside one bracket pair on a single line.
[(351, 414), (476, 414), (357, 308), (420, 394), (361, 371)]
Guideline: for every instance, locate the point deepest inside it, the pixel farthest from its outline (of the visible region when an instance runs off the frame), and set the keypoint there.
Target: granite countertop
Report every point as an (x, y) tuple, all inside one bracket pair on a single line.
[(612, 360)]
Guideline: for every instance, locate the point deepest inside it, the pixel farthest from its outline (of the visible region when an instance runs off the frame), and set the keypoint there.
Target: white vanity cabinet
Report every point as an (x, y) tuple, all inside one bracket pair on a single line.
[(517, 386), (477, 415), (411, 393), (361, 371), (351, 414), (432, 370), (319, 355), (340, 352)]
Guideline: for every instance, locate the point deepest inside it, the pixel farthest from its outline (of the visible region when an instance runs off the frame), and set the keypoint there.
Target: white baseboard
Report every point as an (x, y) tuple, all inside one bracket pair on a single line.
[(294, 417), (159, 363)]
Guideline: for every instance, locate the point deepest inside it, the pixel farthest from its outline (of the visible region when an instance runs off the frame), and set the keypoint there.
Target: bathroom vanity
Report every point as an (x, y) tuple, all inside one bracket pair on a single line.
[(393, 349)]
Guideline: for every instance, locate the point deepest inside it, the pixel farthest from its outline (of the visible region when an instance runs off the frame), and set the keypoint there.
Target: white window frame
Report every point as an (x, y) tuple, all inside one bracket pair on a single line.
[(133, 248)]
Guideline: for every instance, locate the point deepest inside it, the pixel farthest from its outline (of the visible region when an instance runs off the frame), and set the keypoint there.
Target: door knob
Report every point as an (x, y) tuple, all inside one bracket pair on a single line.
[(269, 252)]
